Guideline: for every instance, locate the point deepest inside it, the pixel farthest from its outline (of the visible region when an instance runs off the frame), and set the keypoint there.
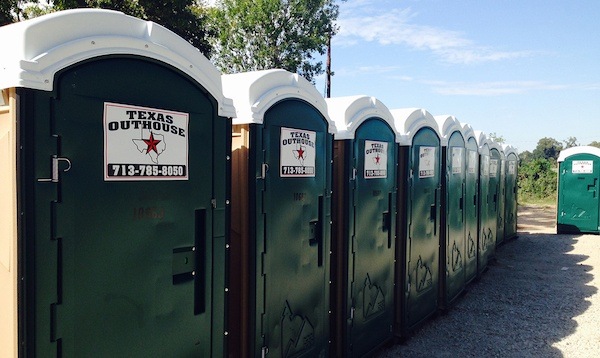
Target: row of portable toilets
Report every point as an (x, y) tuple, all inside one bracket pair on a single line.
[(152, 206)]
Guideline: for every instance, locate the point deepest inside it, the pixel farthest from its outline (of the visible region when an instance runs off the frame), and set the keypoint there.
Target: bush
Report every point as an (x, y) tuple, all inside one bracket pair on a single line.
[(537, 180)]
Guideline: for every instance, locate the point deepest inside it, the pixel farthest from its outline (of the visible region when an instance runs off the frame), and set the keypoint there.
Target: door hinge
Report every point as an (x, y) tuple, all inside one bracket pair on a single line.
[(213, 203), (264, 168), (55, 164), (264, 351), (352, 309)]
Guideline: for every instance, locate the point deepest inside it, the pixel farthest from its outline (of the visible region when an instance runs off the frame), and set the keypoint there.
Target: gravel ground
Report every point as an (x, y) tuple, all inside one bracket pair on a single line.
[(538, 299)]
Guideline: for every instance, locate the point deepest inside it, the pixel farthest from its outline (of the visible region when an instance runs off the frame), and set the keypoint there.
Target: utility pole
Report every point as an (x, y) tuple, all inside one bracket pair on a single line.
[(328, 69)]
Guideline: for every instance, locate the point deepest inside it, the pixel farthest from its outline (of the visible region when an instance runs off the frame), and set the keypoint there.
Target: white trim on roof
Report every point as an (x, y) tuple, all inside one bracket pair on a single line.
[(42, 46), (254, 92), (495, 145), (408, 121), (482, 142), (583, 149), (348, 113), (447, 126), (468, 132), (509, 149)]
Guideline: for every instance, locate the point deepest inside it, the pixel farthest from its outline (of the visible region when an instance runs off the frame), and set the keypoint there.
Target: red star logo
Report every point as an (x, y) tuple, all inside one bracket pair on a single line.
[(377, 159), (300, 153), (151, 142)]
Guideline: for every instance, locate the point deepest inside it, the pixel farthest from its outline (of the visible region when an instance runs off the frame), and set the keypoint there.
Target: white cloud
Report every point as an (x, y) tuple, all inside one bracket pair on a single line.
[(491, 88), (360, 21), (366, 70)]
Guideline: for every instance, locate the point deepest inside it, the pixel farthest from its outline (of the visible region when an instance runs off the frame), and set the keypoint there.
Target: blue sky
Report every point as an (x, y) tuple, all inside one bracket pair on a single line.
[(524, 69)]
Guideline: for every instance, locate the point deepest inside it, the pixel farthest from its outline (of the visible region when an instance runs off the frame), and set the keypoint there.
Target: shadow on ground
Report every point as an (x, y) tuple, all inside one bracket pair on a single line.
[(521, 306)]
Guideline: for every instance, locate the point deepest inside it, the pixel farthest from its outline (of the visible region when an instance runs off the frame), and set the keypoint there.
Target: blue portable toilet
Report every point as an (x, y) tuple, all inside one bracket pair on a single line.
[(281, 218), (578, 208), (471, 202), (363, 212), (113, 154), (510, 208), (452, 221), (418, 228)]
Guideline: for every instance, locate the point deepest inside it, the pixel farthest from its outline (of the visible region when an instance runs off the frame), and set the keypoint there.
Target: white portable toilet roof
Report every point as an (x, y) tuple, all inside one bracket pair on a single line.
[(36, 49), (482, 140), (468, 132), (349, 112), (448, 125), (582, 149), (254, 92), (495, 145), (408, 121), (509, 149)]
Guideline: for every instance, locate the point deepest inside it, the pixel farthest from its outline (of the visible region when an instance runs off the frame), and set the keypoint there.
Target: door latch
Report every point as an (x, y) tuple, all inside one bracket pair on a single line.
[(55, 164)]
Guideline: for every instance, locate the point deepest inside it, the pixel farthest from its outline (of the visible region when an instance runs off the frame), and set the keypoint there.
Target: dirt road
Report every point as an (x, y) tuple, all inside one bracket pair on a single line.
[(538, 299)]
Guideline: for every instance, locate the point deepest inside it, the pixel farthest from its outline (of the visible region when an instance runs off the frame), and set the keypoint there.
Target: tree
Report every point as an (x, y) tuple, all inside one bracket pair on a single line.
[(595, 144), (525, 157), (496, 138), (570, 142), (547, 148), (12, 10), (537, 179), (6, 9), (262, 34)]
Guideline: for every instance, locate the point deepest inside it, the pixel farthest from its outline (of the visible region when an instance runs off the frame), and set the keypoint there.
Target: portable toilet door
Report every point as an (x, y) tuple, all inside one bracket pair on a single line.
[(282, 158), (363, 211), (419, 184), (452, 222), (471, 202), (495, 196), (122, 188), (578, 176), (501, 200), (510, 209), (485, 233)]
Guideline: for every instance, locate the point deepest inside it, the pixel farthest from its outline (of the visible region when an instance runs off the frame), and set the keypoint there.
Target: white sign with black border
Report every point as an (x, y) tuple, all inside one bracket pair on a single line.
[(375, 159), (143, 144), (582, 167), (297, 153), (426, 162), (457, 160)]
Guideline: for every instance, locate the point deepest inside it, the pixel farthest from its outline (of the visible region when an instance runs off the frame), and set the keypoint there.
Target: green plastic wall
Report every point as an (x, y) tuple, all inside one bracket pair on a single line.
[(421, 239), (453, 243), (578, 191), (130, 267), (292, 232), (471, 204), (510, 209)]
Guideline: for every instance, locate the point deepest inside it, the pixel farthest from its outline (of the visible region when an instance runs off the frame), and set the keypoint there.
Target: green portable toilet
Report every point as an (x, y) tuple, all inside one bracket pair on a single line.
[(363, 212), (281, 216), (486, 239), (578, 205), (418, 228), (496, 208), (471, 202), (452, 221), (498, 154), (510, 208), (118, 128)]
